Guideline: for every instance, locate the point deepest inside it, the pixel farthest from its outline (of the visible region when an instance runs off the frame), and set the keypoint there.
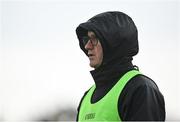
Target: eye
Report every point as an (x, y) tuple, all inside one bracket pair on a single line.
[(94, 41), (85, 40)]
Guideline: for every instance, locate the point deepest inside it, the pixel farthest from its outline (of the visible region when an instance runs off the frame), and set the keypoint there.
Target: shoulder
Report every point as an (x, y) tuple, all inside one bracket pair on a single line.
[(138, 86), (141, 96), (78, 108), (85, 93), (140, 81)]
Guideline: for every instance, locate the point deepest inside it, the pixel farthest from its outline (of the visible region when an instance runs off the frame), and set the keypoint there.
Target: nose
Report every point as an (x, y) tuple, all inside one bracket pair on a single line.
[(89, 45)]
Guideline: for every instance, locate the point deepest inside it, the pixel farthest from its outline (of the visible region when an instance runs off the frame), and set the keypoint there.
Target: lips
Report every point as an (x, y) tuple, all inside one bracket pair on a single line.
[(90, 55)]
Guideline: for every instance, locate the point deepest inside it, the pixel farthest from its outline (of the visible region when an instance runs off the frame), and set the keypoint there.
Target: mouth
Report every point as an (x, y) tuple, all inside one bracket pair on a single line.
[(90, 55)]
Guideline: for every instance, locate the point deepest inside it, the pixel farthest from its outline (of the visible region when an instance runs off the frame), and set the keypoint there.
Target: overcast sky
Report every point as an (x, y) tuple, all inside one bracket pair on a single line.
[(42, 66)]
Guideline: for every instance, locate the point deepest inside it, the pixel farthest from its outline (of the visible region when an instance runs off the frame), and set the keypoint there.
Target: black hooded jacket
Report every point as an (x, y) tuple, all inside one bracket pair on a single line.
[(117, 33)]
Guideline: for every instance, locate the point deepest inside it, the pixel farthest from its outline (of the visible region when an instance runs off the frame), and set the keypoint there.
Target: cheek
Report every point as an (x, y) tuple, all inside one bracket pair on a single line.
[(100, 56)]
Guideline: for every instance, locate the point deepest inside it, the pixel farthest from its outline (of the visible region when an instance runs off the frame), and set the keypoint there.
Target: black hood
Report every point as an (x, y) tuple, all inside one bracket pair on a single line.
[(117, 33), (118, 36)]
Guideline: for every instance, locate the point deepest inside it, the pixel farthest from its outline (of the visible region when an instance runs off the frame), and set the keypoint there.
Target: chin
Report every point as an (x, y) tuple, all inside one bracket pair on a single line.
[(94, 65)]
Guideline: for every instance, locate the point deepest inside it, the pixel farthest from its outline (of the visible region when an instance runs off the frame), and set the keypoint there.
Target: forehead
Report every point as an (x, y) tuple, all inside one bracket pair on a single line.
[(91, 34)]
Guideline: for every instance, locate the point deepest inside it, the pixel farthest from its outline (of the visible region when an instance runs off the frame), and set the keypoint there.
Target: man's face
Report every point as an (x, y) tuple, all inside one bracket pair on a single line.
[(95, 51)]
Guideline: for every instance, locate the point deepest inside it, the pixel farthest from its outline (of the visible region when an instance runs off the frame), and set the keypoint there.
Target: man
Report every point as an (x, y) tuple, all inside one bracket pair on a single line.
[(121, 92)]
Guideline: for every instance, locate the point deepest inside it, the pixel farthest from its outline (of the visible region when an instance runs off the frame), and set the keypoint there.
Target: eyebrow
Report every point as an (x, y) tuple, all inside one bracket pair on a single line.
[(92, 36), (91, 33)]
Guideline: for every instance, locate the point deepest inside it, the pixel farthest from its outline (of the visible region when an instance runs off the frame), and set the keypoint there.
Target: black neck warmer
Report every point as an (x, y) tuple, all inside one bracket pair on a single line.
[(111, 74)]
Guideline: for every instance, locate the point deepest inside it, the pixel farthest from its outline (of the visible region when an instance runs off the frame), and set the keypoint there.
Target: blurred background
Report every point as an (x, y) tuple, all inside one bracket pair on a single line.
[(43, 72)]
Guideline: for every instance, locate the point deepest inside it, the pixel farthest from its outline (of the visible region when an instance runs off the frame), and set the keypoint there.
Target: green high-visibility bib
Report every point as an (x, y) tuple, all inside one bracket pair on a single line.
[(106, 109)]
